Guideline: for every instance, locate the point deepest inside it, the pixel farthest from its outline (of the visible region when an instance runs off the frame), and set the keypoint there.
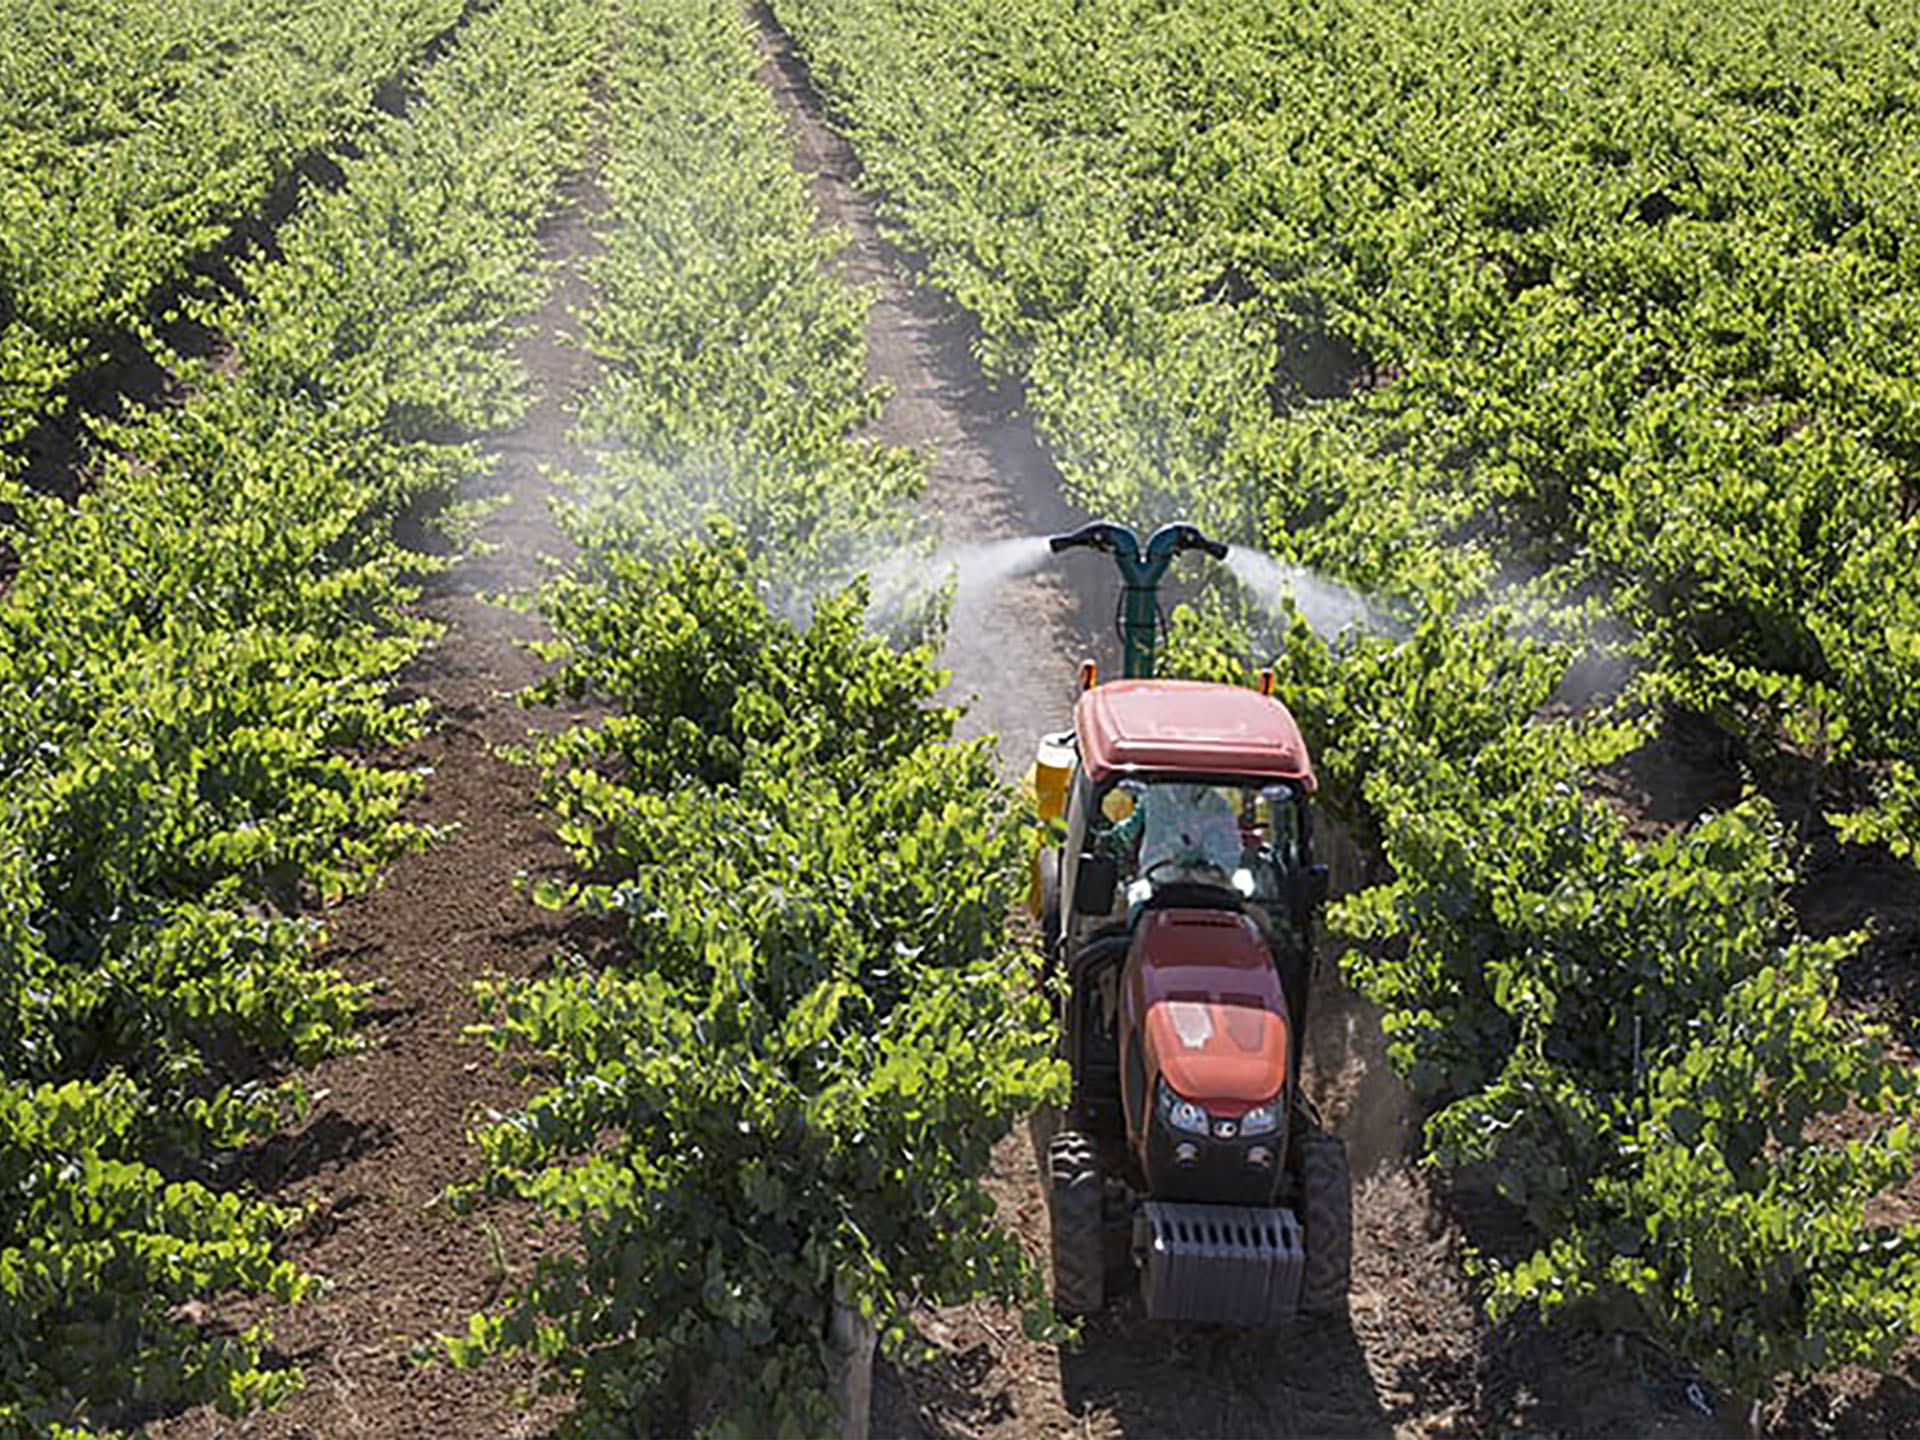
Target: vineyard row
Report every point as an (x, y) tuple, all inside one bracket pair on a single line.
[(780, 1092), (191, 654), (1532, 322), (134, 138)]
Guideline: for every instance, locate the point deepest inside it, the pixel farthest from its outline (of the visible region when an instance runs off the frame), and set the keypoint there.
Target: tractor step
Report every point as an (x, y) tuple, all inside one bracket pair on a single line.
[(1219, 1264)]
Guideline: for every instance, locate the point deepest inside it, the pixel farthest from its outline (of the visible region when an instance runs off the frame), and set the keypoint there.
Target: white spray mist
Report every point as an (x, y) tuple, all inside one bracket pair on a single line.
[(902, 582), (1328, 606)]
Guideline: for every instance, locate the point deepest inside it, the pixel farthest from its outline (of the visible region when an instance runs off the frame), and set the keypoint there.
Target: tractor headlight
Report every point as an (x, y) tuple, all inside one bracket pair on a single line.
[(1178, 1113), (1262, 1119)]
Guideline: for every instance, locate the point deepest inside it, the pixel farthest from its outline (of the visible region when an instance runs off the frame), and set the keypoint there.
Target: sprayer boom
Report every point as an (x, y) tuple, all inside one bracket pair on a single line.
[(1139, 618)]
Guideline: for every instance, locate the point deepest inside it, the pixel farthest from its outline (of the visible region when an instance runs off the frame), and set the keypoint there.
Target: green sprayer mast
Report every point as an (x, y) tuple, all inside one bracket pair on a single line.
[(1139, 614)]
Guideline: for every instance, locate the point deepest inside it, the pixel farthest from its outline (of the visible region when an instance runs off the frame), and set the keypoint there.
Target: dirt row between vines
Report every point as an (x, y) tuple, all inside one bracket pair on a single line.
[(392, 1125)]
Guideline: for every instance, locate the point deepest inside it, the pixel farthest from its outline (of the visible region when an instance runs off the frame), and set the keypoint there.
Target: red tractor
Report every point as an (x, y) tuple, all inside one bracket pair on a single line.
[(1177, 912)]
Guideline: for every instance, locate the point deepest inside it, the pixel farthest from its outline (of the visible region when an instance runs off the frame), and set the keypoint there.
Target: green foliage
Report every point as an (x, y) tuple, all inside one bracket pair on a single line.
[(1599, 310), (1895, 822), (703, 672), (734, 374), (196, 659), (787, 1078), (1717, 1223), (98, 1248), (796, 1074), (135, 136), (1623, 295), (1624, 1036)]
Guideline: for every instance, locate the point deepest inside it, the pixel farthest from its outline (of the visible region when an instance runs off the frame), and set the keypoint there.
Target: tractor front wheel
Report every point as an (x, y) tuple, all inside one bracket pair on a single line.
[(1326, 1205), (1074, 1199)]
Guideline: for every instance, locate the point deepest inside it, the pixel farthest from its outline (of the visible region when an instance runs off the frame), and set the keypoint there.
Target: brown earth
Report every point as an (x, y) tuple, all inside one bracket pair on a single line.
[(392, 1126), (1012, 649), (392, 1129)]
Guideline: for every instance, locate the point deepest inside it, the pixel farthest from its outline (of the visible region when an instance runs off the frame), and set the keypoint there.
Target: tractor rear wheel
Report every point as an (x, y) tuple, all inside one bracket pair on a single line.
[(1326, 1205), (1074, 1191)]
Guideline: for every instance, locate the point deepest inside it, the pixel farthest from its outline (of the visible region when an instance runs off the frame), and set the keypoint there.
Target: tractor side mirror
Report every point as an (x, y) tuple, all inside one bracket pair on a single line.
[(1094, 884)]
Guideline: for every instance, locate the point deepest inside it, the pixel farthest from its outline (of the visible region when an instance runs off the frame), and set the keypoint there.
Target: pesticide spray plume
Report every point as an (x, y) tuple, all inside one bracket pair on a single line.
[(1600, 667), (1326, 605), (904, 582)]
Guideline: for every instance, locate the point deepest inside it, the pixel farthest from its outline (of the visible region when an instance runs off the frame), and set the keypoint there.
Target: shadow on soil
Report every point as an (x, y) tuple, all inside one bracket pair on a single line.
[(1148, 1378), (950, 1397), (1881, 1405), (1843, 889), (327, 1141)]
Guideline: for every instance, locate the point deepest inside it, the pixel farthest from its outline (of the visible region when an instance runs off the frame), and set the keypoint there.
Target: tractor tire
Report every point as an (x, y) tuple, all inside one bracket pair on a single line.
[(1074, 1195), (1326, 1205)]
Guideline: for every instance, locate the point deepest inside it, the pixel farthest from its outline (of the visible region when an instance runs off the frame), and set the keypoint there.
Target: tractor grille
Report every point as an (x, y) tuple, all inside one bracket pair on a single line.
[(1220, 1264)]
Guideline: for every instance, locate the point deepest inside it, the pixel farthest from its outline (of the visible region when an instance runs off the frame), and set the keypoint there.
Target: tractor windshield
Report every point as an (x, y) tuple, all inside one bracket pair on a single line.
[(1231, 835)]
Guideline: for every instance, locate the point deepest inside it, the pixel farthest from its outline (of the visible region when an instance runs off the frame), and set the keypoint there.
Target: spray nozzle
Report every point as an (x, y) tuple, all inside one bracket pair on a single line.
[(1139, 610), (1125, 546), (1101, 535), (1182, 536)]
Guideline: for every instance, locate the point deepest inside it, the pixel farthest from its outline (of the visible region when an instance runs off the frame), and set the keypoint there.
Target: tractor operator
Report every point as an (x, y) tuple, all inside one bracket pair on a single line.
[(1181, 828)]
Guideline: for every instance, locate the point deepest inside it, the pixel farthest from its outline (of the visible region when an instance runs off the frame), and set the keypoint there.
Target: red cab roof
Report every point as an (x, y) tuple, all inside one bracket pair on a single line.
[(1143, 727)]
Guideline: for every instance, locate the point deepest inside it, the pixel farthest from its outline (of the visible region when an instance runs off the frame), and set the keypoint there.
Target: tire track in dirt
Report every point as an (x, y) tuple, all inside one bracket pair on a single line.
[(1418, 1357), (393, 1129)]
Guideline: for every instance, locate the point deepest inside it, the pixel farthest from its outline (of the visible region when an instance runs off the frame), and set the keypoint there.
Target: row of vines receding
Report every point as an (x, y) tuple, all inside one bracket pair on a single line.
[(777, 1094), (197, 655)]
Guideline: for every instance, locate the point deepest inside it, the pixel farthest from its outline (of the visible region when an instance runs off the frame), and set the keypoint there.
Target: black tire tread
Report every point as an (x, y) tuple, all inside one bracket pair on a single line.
[(1074, 1191), (1326, 1205), (1050, 905)]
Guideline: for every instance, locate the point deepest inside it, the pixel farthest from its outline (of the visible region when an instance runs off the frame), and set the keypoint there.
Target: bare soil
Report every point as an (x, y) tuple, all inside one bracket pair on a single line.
[(393, 1129), (1012, 652), (393, 1125)]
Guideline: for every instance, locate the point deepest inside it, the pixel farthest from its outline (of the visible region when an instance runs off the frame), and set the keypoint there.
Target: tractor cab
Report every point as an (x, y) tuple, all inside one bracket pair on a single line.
[(1214, 840), (1181, 795)]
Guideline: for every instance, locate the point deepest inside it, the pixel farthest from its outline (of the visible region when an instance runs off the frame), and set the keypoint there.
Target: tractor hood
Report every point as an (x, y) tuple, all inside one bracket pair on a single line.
[(1224, 1056), (1212, 1018)]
